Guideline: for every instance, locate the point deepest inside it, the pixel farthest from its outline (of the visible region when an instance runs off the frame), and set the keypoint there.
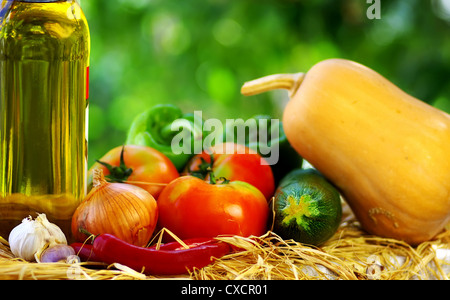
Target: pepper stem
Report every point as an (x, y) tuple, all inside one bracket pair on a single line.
[(90, 235), (290, 82)]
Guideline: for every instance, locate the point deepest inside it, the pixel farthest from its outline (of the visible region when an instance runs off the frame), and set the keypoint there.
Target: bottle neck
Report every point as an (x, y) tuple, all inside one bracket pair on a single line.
[(5, 5)]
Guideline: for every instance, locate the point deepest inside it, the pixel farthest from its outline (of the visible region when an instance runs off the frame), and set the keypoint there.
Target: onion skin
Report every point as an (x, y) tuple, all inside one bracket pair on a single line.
[(124, 210)]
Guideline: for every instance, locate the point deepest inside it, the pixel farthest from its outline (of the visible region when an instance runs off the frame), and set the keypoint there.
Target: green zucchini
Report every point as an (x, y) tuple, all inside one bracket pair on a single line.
[(307, 207)]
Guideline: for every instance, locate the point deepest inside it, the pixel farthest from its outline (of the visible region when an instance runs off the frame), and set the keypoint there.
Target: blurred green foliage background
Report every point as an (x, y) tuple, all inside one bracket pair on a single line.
[(198, 53)]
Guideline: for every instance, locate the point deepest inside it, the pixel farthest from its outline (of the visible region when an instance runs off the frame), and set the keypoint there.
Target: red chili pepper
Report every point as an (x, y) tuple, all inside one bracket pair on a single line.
[(194, 242), (170, 259), (85, 252)]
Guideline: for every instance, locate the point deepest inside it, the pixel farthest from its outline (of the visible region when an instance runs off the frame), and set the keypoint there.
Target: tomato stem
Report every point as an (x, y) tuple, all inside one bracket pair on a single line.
[(214, 180), (205, 169), (120, 173)]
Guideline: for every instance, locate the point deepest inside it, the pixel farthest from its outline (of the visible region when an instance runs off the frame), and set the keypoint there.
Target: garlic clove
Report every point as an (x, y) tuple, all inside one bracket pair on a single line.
[(55, 234), (57, 253)]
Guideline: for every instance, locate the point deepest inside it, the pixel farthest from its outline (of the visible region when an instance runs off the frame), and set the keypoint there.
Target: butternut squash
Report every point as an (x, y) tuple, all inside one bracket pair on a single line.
[(387, 152)]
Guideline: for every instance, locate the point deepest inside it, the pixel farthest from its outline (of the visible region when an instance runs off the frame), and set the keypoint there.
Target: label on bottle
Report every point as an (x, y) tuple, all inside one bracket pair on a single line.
[(40, 1), (87, 82), (4, 8)]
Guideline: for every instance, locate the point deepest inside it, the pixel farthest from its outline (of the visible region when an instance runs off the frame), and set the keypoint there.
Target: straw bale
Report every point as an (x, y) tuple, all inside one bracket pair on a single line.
[(351, 254)]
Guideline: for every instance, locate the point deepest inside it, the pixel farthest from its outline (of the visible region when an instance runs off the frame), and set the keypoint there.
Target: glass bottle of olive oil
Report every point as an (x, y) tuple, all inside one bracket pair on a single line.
[(44, 70)]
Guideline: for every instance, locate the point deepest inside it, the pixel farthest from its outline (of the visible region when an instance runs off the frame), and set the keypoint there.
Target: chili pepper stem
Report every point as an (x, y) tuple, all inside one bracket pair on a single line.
[(290, 82), (90, 235)]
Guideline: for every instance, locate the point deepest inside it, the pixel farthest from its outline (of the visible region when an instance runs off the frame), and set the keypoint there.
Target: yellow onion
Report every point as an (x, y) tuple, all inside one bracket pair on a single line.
[(124, 210)]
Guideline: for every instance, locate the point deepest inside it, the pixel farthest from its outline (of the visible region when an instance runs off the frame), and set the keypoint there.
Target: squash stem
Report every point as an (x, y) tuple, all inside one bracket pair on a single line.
[(290, 82)]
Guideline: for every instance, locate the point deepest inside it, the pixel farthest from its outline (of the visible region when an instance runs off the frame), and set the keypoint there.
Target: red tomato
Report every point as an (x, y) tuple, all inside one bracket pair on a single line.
[(147, 165), (237, 162), (191, 207)]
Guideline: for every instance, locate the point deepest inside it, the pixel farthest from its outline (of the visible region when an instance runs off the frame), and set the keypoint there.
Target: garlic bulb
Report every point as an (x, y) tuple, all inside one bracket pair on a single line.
[(31, 237)]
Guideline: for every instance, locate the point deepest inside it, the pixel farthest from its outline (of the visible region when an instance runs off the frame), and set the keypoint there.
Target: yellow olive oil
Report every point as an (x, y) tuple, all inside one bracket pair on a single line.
[(44, 70)]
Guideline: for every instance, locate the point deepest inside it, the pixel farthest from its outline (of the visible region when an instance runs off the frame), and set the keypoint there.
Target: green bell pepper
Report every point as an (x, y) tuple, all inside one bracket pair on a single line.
[(267, 144), (164, 127)]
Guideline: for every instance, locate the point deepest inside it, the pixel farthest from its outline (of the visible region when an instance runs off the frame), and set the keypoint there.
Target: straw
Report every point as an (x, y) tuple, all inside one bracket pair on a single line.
[(351, 254)]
